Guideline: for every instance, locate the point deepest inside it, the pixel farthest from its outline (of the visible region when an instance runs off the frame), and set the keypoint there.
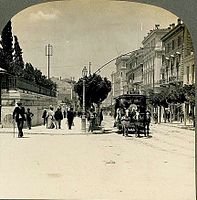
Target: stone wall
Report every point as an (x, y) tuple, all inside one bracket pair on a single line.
[(36, 103)]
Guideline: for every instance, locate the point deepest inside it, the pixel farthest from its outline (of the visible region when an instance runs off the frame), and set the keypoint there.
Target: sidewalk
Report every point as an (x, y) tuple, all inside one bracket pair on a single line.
[(76, 129), (179, 125)]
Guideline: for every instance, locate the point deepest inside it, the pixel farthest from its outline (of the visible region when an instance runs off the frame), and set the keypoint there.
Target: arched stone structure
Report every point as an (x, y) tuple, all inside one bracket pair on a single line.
[(186, 10)]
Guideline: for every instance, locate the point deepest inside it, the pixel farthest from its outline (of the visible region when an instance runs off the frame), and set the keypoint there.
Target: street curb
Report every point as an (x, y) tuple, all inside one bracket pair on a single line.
[(181, 127)]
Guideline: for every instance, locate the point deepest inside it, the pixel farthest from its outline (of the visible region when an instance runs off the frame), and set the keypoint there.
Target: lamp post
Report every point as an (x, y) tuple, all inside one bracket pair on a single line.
[(83, 119)]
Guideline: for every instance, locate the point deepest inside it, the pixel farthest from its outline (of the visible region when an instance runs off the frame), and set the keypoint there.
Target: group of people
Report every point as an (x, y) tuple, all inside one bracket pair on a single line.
[(125, 116), (92, 117), (52, 119)]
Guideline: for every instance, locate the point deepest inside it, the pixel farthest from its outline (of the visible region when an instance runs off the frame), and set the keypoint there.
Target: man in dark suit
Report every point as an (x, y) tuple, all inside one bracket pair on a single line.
[(70, 117), (19, 117)]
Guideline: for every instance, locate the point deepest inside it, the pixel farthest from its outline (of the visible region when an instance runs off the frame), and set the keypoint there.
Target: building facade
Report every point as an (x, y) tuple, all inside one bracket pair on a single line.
[(172, 59), (119, 79), (152, 64), (178, 68), (134, 73)]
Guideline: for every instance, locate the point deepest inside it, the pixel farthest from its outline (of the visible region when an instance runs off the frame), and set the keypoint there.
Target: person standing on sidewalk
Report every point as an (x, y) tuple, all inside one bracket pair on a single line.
[(92, 120), (70, 118), (58, 118), (100, 117), (29, 116), (44, 116), (19, 117), (50, 118)]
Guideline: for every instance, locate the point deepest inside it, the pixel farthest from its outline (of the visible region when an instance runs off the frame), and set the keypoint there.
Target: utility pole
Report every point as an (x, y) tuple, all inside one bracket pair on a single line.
[(71, 83), (48, 53)]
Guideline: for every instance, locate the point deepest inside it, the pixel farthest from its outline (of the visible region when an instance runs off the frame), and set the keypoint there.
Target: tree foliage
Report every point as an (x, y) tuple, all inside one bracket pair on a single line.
[(158, 99), (96, 89), (11, 60), (17, 58), (189, 91), (173, 95), (7, 40), (7, 45)]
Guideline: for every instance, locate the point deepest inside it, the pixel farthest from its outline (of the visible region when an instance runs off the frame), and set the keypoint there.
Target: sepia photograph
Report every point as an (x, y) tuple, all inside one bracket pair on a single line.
[(97, 102)]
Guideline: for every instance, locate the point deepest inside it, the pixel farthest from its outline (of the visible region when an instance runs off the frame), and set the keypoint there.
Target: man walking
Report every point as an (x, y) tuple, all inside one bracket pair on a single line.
[(58, 118), (19, 117), (70, 117)]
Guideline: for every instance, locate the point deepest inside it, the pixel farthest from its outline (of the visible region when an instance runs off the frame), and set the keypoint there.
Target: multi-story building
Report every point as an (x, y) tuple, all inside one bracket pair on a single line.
[(65, 89), (188, 59), (119, 81), (152, 64), (172, 58), (134, 73), (188, 71), (178, 63)]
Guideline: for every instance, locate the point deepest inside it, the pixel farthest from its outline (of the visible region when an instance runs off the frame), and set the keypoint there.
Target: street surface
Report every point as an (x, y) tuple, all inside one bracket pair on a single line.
[(62, 164)]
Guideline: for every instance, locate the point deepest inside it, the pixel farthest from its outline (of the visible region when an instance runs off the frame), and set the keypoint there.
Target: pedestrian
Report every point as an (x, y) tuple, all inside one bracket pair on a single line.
[(100, 117), (168, 115), (148, 121), (125, 122), (70, 118), (155, 116), (44, 115), (190, 116), (64, 112), (58, 118), (19, 117), (92, 120), (181, 116), (50, 118), (29, 116)]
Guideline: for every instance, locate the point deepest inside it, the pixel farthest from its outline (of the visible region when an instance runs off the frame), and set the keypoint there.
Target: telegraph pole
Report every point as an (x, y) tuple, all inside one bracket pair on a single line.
[(48, 53)]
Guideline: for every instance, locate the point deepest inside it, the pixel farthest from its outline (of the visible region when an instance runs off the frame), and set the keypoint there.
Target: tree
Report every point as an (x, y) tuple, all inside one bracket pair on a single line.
[(96, 89), (2, 59), (176, 94), (18, 59), (6, 43), (29, 72), (189, 91)]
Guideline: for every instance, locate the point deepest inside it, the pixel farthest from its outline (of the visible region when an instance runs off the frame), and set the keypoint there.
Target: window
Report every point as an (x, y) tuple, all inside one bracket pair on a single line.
[(187, 74), (179, 41), (173, 44), (162, 75), (168, 47), (193, 71)]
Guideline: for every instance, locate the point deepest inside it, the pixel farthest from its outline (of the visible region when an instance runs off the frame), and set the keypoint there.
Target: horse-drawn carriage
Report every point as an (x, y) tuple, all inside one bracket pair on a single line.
[(131, 114)]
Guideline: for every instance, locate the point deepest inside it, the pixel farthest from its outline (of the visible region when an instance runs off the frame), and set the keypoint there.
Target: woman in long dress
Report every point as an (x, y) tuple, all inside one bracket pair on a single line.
[(50, 118)]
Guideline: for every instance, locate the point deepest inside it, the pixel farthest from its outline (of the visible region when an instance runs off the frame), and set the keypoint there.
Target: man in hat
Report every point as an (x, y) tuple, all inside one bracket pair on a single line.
[(19, 117)]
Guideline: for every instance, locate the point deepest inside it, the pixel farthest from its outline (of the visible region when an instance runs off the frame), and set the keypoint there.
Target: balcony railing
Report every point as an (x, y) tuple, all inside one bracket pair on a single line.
[(172, 78), (162, 81), (11, 82)]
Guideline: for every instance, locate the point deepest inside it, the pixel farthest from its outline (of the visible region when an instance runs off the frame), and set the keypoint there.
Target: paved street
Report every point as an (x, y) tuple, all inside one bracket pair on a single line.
[(66, 164)]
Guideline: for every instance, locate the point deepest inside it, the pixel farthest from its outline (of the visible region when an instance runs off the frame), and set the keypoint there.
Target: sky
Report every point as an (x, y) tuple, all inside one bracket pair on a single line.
[(83, 31)]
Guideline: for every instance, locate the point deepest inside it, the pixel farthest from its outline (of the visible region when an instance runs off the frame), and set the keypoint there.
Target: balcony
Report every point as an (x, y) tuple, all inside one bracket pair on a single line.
[(172, 78), (162, 81)]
